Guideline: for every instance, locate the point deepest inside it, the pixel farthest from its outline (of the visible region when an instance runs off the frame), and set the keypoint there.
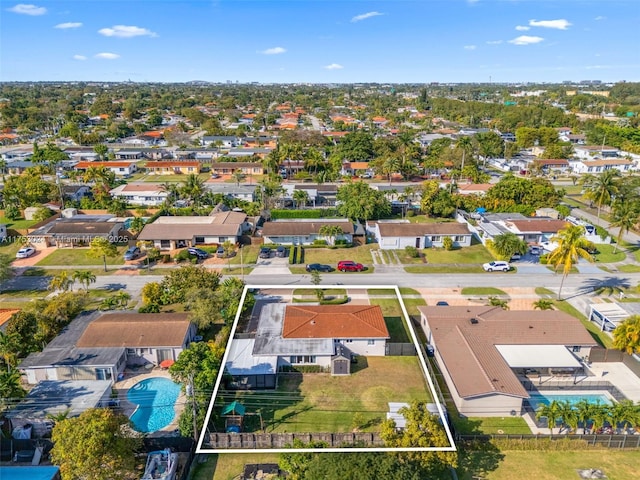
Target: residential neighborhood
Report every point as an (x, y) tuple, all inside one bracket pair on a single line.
[(207, 271)]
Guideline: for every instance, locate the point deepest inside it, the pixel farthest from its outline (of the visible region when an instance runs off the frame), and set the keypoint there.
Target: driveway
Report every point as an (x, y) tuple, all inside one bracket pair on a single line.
[(41, 252)]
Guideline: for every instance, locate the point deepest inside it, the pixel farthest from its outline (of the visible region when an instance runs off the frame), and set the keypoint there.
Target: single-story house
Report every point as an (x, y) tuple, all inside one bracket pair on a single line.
[(54, 397), (533, 230), (18, 167), (485, 353), (126, 167), (228, 168), (98, 346), (589, 152), (126, 154), (394, 235), (602, 165), (147, 194), (249, 152), (76, 192), (304, 231), (169, 233), (231, 190), (547, 164), (175, 167), (309, 334), (78, 230), (224, 141), (472, 188), (5, 315)]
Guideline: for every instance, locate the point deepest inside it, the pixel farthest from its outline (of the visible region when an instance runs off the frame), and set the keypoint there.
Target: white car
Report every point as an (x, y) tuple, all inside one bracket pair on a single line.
[(25, 252), (496, 266)]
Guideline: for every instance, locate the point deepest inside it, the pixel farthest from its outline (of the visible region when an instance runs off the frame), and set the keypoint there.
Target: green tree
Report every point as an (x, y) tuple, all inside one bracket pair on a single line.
[(552, 412), (508, 244), (6, 271), (136, 225), (238, 176), (9, 349), (193, 188), (316, 280), (625, 216), (572, 246), (179, 280), (601, 188), (102, 247), (61, 282), (331, 232), (85, 277), (498, 302), (626, 336), (102, 150), (229, 249), (300, 197), (359, 201), (543, 304), (95, 446), (10, 388), (422, 430)]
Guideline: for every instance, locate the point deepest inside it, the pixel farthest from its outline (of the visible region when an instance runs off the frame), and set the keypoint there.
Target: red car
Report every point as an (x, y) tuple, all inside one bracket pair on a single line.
[(349, 266)]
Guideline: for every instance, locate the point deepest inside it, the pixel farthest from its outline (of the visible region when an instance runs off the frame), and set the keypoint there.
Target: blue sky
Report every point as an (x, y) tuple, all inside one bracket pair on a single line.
[(320, 40)]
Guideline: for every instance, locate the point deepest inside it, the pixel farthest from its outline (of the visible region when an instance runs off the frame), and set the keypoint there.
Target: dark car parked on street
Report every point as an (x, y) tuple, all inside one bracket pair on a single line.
[(318, 267), (197, 252)]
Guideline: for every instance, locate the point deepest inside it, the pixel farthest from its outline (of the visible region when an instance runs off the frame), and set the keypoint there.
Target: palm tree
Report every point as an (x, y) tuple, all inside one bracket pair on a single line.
[(173, 192), (238, 176), (543, 304), (313, 158), (626, 336), (584, 412), (625, 216), (193, 187), (498, 302), (571, 246), (331, 231), (8, 348), (390, 166), (122, 299), (622, 412), (62, 282), (602, 188), (98, 175), (508, 244), (10, 388), (551, 412), (300, 197), (568, 415), (85, 277), (600, 415)]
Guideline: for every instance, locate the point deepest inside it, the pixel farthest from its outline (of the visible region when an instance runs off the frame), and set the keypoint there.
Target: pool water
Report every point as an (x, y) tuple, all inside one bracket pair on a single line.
[(156, 398), (536, 400)]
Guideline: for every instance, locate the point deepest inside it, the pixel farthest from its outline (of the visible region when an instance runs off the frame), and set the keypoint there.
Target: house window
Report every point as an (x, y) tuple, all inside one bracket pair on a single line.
[(165, 243), (121, 169), (575, 349), (199, 239), (371, 342), (436, 238), (459, 238), (103, 374), (296, 359)]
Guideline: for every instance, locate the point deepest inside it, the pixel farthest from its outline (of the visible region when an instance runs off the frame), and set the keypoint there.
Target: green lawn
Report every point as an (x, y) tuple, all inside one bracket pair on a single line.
[(629, 268), (79, 257), (425, 219), (605, 254), (482, 291), (543, 291), (539, 465), (490, 425), (19, 224), (361, 254), (466, 255), (319, 402), (312, 292), (228, 466), (601, 337), (394, 319), (249, 255), (445, 269), (10, 248), (388, 291), (412, 304)]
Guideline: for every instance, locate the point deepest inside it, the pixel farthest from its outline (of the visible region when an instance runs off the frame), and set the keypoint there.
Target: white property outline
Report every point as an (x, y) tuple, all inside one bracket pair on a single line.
[(423, 364)]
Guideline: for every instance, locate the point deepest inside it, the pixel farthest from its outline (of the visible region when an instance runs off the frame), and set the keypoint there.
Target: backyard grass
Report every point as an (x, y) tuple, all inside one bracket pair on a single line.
[(394, 319), (412, 304), (606, 255), (539, 465), (319, 402), (361, 254), (490, 425), (228, 466), (482, 291), (10, 248), (19, 224), (79, 257)]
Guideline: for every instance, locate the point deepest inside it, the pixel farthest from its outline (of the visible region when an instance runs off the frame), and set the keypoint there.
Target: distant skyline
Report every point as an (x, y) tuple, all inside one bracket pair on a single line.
[(320, 41)]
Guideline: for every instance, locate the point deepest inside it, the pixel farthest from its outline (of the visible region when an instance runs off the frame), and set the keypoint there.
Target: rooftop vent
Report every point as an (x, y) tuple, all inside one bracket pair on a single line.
[(473, 321)]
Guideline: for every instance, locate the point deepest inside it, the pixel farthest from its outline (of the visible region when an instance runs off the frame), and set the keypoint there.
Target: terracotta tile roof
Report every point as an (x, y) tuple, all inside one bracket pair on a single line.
[(6, 314), (302, 228), (539, 225), (334, 321), (476, 187), (469, 352), (83, 165), (547, 161), (359, 165), (412, 229), (136, 330), (153, 133)]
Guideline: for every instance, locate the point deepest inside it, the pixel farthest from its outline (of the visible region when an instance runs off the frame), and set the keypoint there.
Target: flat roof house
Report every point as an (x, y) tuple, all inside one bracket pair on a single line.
[(78, 230), (169, 233), (119, 168), (485, 353), (147, 194)]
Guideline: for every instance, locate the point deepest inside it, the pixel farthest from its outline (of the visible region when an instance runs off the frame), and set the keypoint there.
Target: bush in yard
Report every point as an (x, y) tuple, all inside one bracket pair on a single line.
[(319, 241), (411, 251), (410, 213), (12, 212), (447, 243), (182, 255)]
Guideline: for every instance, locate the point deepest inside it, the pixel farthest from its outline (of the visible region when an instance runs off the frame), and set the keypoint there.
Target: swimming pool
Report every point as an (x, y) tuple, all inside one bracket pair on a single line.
[(32, 473), (538, 399), (156, 398)]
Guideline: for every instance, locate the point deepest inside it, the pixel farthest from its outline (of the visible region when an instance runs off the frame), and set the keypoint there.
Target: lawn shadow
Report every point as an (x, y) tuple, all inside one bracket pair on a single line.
[(397, 329), (477, 459), (34, 272), (359, 364)]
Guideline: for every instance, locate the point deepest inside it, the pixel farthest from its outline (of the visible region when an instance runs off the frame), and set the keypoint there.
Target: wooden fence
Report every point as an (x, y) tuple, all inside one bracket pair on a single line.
[(281, 440)]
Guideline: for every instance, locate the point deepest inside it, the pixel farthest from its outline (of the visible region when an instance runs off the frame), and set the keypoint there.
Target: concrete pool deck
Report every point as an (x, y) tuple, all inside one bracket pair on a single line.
[(131, 377)]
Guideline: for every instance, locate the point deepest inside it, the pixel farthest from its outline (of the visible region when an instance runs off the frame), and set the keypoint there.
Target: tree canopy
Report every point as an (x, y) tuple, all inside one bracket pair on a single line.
[(359, 201)]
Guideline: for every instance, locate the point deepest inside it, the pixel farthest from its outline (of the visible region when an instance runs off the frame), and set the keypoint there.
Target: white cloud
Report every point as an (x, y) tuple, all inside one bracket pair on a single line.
[(364, 16), (66, 25), (470, 47), (522, 28), (494, 42), (333, 66), (526, 40), (600, 17), (561, 24), (79, 57), (273, 51), (126, 31), (107, 56), (27, 9)]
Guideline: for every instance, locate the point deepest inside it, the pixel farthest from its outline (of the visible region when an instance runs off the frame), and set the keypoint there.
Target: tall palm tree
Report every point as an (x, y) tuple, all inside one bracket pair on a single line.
[(390, 166), (173, 192), (585, 411), (569, 415), (193, 188), (238, 176), (552, 412), (313, 158), (600, 415), (602, 188), (572, 246), (61, 282), (625, 216), (85, 277), (300, 197), (621, 413), (10, 388)]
